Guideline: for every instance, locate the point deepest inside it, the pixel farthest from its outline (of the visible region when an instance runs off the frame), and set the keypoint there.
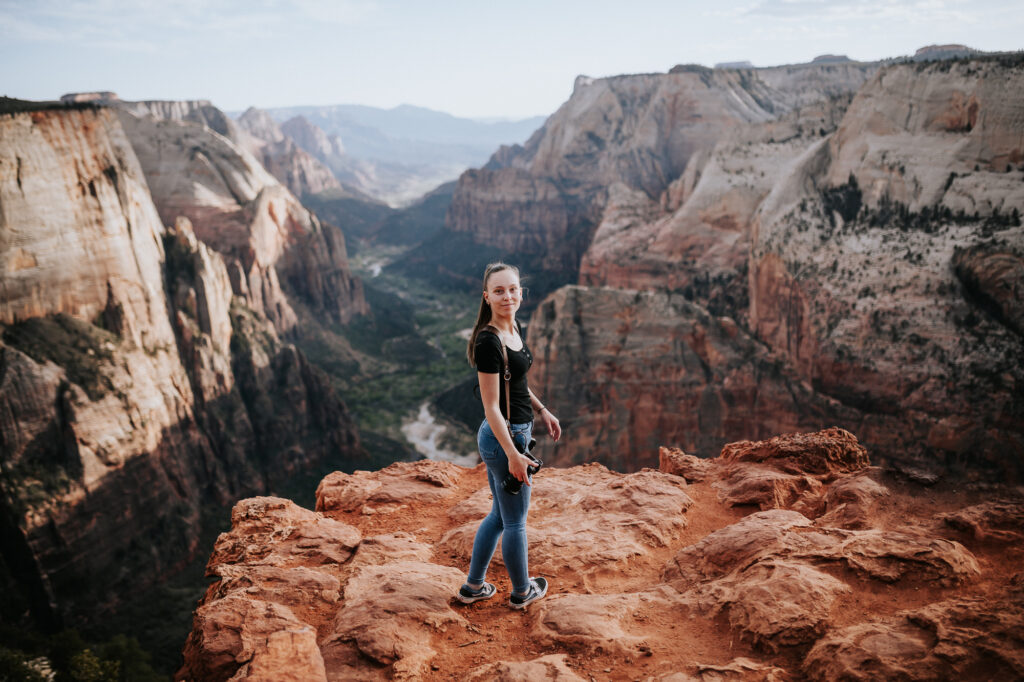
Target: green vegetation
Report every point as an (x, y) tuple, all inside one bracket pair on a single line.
[(844, 200), (405, 352), (11, 105), (26, 656), (847, 201), (82, 349)]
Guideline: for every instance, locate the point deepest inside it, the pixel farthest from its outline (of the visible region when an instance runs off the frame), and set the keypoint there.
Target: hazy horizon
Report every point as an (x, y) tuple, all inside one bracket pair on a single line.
[(480, 62)]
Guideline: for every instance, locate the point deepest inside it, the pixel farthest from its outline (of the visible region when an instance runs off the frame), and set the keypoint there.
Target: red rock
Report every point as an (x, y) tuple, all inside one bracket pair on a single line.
[(600, 622), (235, 631), (850, 501), (399, 483), (831, 451), (993, 521), (995, 275), (391, 612), (287, 656), (778, 603), (741, 670), (738, 544), (966, 638), (551, 668), (675, 461), (768, 489), (637, 512), (629, 371), (381, 549), (310, 538)]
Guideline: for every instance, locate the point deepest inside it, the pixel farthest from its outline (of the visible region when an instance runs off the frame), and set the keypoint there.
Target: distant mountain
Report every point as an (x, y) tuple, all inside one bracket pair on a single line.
[(398, 155), (384, 134)]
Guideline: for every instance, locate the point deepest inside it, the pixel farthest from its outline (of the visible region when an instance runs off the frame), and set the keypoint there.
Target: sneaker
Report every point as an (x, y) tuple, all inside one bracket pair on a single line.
[(467, 595), (538, 588)]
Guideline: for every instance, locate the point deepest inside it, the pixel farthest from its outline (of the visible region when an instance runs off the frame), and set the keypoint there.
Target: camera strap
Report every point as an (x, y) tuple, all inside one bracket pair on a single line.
[(507, 376)]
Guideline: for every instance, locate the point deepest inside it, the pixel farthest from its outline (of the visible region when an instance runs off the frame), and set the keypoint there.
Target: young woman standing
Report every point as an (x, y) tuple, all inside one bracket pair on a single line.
[(502, 296)]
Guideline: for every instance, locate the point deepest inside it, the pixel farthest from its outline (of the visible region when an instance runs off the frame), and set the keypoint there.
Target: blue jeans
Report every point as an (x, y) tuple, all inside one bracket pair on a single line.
[(507, 519)]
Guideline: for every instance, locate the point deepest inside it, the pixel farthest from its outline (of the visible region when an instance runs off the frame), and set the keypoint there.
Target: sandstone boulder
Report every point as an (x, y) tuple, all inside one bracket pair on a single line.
[(993, 521), (235, 632), (769, 489), (883, 555), (692, 468), (278, 532), (966, 638), (391, 611), (399, 483), (594, 622), (850, 502), (827, 453), (778, 603)]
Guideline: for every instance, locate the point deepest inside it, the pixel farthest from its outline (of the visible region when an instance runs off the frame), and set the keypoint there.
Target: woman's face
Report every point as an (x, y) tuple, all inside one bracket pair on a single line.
[(503, 293)]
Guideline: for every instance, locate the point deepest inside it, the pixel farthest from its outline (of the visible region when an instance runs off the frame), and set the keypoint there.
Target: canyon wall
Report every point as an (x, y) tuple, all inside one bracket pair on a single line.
[(245, 214), (871, 246), (141, 380), (543, 201)]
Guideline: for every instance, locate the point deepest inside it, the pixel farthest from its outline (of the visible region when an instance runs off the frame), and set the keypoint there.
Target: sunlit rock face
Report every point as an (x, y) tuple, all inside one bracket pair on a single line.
[(136, 384), (871, 242), (239, 209), (785, 558), (867, 264), (639, 131)]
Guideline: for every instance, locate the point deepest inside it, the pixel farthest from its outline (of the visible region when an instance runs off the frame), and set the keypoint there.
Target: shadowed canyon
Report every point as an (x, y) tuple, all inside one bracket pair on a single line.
[(777, 310)]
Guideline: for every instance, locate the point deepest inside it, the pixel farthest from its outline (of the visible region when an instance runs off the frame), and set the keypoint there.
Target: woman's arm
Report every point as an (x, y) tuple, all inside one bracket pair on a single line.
[(544, 414), (490, 385)]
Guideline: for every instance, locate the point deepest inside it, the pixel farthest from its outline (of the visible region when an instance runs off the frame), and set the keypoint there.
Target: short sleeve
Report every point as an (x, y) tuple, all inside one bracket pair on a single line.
[(487, 352)]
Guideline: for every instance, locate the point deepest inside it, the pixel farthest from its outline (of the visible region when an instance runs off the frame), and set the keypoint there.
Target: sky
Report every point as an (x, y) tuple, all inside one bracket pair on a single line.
[(477, 59)]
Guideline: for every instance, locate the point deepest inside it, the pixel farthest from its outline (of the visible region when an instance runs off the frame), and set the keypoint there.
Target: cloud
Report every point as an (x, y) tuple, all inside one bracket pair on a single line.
[(852, 10), (135, 24)]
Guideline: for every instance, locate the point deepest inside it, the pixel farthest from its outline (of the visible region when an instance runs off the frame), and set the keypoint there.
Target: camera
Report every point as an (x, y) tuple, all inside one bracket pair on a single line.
[(513, 485)]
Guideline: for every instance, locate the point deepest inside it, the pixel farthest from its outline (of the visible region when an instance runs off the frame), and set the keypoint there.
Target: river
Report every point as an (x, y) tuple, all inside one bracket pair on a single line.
[(425, 433)]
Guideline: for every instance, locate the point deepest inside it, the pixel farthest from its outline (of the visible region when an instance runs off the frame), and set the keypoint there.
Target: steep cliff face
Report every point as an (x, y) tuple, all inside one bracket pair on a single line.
[(873, 243), (135, 385), (240, 210), (641, 131), (867, 260), (697, 237), (293, 166), (624, 369)]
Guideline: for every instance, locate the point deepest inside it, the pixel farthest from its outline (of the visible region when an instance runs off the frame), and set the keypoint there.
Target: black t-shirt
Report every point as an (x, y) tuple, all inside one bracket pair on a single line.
[(488, 360)]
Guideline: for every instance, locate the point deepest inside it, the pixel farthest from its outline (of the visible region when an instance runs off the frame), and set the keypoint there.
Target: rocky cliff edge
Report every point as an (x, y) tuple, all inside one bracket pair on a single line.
[(788, 558)]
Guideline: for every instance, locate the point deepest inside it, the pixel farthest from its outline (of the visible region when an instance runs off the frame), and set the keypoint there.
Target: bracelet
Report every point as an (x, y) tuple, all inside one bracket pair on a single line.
[(542, 408)]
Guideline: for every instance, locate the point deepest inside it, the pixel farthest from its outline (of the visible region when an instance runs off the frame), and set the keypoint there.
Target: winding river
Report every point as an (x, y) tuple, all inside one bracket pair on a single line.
[(425, 434)]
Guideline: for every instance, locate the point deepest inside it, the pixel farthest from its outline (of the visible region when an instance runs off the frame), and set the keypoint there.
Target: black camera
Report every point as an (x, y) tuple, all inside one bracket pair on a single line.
[(513, 485)]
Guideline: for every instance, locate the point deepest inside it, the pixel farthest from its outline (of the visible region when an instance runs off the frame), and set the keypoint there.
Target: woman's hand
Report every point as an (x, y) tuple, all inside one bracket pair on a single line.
[(517, 466), (551, 424)]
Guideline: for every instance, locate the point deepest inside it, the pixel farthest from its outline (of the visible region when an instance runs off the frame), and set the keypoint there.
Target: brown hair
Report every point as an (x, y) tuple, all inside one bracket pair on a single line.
[(483, 318)]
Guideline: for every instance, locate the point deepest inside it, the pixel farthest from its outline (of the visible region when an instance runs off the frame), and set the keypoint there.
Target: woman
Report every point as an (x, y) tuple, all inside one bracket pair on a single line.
[(507, 519)]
